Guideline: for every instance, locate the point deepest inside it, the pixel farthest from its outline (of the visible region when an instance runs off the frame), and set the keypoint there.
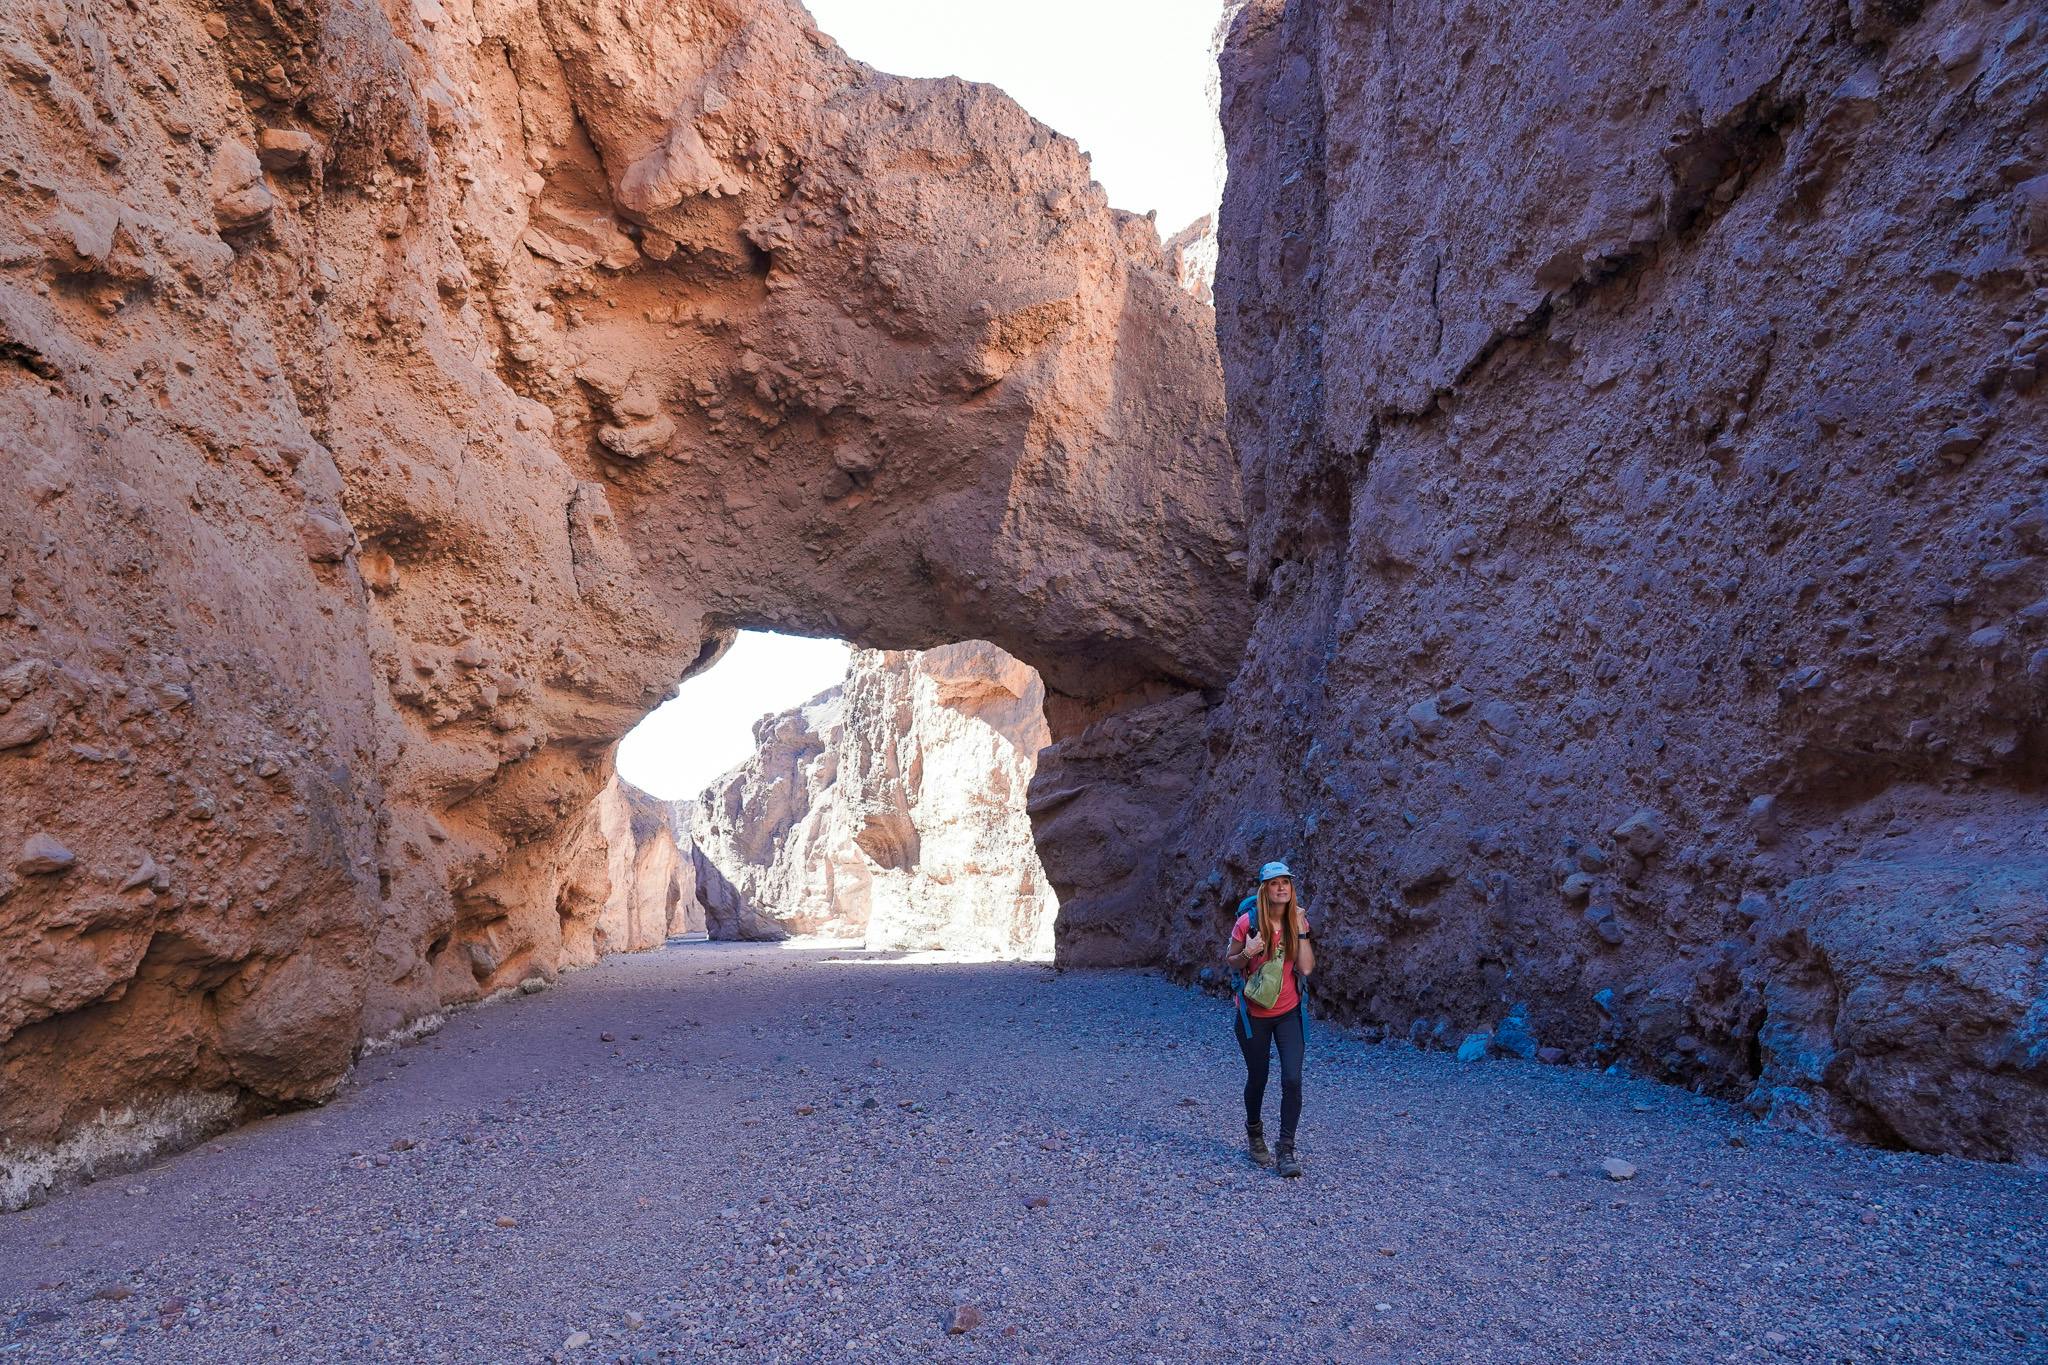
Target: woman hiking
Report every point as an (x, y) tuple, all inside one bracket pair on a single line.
[(1282, 939)]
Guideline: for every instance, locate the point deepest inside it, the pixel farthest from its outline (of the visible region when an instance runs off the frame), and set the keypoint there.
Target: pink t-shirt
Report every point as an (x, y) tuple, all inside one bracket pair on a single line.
[(1289, 996)]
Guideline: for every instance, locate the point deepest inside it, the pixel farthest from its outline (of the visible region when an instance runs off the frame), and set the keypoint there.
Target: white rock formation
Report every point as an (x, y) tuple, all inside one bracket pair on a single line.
[(889, 809)]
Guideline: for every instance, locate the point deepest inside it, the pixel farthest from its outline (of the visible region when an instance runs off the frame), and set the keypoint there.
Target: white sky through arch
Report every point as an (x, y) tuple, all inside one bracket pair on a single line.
[(1127, 79), (707, 728)]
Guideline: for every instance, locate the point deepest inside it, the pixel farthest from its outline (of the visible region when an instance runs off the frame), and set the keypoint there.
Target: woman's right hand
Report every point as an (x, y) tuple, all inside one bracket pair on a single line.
[(1254, 945)]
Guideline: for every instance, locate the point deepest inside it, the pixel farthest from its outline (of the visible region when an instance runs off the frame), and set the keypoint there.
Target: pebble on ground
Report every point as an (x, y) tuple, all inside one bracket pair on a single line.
[(801, 1154)]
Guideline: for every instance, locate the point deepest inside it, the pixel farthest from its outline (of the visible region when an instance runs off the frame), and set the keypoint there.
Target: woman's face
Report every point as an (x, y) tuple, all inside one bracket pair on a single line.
[(1283, 890)]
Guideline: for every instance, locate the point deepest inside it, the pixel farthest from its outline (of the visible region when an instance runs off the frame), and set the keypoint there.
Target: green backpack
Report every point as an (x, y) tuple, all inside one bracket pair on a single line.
[(1263, 987)]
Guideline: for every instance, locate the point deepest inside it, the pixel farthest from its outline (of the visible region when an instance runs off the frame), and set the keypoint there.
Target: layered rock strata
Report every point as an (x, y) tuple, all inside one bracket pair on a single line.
[(890, 809), (398, 400), (1648, 489)]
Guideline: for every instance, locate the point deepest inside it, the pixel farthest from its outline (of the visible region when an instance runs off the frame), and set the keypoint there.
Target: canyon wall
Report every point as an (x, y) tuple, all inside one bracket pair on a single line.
[(1647, 480), (889, 809), (631, 877), (397, 400)]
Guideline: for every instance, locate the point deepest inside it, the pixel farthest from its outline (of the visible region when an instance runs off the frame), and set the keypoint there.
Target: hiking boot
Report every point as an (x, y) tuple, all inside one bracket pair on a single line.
[(1255, 1140), (1290, 1165)]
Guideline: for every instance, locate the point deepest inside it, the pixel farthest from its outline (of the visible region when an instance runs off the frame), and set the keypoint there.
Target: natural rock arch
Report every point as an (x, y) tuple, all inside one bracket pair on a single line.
[(455, 386)]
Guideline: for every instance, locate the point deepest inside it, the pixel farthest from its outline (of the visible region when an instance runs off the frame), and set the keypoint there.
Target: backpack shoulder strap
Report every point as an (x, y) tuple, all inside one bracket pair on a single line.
[(1248, 906)]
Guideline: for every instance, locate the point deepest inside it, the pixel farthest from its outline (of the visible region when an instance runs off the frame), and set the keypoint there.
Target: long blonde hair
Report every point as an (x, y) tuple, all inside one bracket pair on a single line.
[(1266, 913)]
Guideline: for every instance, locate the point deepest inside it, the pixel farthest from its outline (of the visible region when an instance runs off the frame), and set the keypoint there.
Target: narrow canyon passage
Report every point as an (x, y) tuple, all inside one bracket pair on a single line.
[(771, 1153)]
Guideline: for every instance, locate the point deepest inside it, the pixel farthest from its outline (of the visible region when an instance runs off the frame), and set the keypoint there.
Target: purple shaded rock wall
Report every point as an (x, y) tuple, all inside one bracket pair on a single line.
[(1646, 465)]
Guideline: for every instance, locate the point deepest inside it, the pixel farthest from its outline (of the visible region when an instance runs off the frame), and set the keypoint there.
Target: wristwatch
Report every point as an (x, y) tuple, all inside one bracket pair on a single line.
[(1304, 934)]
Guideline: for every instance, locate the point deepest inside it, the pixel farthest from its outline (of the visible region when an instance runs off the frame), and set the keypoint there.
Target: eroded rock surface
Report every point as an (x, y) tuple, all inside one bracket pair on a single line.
[(398, 400), (632, 883), (1645, 459), (889, 809)]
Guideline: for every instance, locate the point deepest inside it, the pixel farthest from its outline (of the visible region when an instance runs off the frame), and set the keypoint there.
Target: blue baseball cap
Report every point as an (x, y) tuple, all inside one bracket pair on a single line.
[(1272, 870)]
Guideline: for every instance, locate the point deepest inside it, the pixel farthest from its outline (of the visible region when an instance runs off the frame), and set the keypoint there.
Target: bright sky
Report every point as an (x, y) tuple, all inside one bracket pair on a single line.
[(707, 727), (1127, 79)]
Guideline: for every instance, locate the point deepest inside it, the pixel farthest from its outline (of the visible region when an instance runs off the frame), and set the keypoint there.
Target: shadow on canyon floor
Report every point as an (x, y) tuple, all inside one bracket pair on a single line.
[(761, 1153)]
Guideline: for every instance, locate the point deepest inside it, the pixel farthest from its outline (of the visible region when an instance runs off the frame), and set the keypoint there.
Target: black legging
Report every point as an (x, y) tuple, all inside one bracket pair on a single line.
[(1284, 1029)]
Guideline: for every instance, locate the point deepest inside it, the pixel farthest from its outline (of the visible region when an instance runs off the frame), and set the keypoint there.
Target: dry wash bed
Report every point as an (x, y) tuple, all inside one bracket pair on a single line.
[(725, 1152)]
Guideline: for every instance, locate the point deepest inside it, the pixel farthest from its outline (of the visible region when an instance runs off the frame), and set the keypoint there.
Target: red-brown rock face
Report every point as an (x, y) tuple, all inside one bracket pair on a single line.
[(394, 408), (1646, 467)]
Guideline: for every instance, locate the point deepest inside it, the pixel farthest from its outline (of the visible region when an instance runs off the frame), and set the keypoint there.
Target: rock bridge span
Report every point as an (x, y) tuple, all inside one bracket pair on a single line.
[(401, 402)]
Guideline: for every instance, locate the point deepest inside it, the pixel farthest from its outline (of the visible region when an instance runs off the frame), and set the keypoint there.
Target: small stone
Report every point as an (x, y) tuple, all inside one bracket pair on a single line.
[(41, 855), (1642, 833), (23, 726), (1453, 699), (637, 439), (1512, 1038), (1762, 816), (402, 1145), (635, 1321), (504, 1221), (380, 572), (284, 149), (1423, 716), (1958, 443), (607, 1038), (1550, 1056), (241, 200), (47, 480), (327, 541), (576, 1341), (1578, 886), (965, 1319), (1383, 1308), (1036, 1201), (1614, 1168), (145, 872), (533, 985), (1474, 1047)]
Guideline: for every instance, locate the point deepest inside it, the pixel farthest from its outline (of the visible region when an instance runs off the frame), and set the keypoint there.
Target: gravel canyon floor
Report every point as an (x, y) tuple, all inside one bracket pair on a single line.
[(801, 1153)]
